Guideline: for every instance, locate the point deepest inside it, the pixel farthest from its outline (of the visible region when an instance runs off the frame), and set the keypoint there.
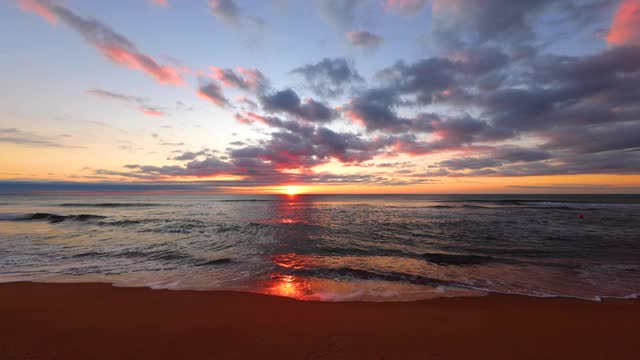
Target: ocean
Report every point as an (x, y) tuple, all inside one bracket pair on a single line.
[(330, 247)]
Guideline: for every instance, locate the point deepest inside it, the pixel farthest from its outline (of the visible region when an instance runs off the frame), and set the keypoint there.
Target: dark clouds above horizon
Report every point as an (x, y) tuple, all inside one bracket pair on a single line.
[(490, 100)]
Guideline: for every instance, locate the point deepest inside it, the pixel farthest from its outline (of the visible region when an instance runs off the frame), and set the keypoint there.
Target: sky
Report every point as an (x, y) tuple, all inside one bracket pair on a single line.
[(322, 96)]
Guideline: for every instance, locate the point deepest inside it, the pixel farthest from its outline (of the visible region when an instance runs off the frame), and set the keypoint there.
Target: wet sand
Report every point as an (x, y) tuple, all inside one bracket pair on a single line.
[(98, 321)]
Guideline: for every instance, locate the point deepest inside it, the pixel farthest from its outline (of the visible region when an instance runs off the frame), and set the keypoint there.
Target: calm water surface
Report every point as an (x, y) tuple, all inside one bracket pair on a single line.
[(338, 247)]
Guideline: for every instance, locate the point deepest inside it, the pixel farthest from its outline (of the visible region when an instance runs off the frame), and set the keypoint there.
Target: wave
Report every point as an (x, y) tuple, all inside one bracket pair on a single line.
[(12, 217), (168, 255), (110, 205), (574, 205), (247, 200), (156, 255), (460, 260), (52, 218), (547, 203), (214, 262), (121, 222), (359, 274)]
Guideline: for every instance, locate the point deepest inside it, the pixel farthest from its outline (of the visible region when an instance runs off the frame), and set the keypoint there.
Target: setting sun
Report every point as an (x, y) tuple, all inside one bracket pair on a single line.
[(292, 190)]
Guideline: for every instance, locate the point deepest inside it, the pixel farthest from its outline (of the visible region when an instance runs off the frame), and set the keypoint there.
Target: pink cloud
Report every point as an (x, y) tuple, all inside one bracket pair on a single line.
[(40, 8), (112, 45), (250, 117), (138, 61), (254, 78), (625, 29), (244, 79), (151, 111), (162, 3)]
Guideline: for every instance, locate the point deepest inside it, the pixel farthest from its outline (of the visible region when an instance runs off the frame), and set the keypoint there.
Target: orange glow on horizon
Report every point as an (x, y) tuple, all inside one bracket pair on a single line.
[(292, 190)]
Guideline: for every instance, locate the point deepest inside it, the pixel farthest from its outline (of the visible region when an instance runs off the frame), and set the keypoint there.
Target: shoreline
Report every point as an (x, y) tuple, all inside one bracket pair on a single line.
[(98, 320)]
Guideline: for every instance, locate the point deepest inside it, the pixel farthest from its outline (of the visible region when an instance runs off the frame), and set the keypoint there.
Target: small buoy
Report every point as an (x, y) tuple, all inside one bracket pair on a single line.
[(581, 216)]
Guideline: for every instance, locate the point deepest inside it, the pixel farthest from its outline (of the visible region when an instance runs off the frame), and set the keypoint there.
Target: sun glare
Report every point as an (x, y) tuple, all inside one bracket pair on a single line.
[(292, 190)]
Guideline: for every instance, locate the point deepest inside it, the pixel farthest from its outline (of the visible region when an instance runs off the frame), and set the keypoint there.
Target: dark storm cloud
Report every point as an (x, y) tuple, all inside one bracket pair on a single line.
[(364, 39), (329, 77), (287, 101)]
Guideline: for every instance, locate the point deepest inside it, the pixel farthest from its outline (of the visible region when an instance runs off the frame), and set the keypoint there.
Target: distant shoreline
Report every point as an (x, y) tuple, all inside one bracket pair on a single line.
[(92, 320)]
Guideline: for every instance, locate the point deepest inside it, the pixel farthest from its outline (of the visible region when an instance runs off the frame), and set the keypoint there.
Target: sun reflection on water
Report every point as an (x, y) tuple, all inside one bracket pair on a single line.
[(289, 286)]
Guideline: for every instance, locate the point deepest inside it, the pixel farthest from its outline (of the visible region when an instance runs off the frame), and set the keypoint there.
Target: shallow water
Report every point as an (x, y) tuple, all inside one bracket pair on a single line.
[(339, 247)]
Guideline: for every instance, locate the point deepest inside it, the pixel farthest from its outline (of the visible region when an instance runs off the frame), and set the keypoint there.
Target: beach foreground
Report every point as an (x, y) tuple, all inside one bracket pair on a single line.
[(98, 321)]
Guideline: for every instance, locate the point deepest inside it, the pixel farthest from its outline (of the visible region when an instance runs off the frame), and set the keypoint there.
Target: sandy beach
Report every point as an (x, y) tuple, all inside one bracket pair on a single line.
[(98, 321)]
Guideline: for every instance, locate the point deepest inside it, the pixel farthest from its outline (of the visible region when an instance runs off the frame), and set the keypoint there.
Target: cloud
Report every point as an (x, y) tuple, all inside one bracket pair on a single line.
[(123, 183), (112, 45), (563, 187), (491, 103), (230, 13), (246, 103), (364, 39), (339, 13), (625, 29), (287, 101), (568, 114), (190, 155), (41, 8), (496, 157), (117, 96), (446, 79), (161, 3), (151, 111), (594, 138), (406, 7), (225, 9), (375, 110), (329, 77), (245, 79), (212, 92), (140, 103), (470, 23), (24, 138)]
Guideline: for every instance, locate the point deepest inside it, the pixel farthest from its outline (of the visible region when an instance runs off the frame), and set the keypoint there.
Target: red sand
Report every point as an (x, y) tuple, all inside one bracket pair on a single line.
[(97, 321)]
